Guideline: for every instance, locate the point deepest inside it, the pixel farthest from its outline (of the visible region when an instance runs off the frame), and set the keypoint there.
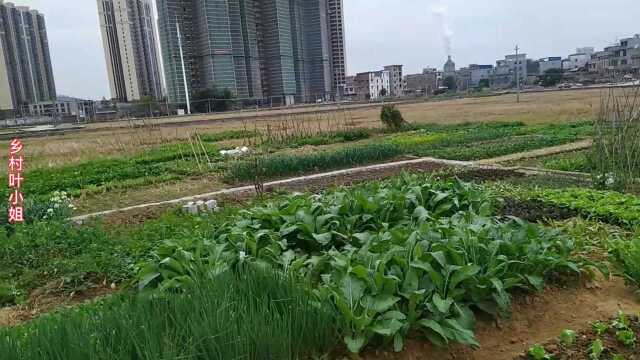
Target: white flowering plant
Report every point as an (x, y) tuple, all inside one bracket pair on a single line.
[(59, 206)]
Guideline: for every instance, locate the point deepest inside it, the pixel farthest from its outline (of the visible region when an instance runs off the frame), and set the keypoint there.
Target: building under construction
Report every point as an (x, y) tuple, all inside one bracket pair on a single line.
[(290, 50)]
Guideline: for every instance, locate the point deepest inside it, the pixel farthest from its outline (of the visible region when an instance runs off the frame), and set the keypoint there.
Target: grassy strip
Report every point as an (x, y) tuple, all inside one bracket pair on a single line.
[(328, 138), (574, 162), (251, 315)]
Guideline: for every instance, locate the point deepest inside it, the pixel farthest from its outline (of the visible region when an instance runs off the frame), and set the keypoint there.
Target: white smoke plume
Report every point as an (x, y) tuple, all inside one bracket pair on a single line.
[(441, 14)]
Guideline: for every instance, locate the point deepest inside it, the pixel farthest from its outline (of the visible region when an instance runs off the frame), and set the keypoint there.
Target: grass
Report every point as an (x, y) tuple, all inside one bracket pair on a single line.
[(246, 315), (228, 135)]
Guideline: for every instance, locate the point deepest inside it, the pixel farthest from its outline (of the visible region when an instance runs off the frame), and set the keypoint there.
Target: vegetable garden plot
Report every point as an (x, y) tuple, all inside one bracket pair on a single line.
[(411, 254)]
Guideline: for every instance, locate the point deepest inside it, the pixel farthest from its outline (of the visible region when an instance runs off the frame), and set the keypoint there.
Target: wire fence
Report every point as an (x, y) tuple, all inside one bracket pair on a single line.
[(55, 114)]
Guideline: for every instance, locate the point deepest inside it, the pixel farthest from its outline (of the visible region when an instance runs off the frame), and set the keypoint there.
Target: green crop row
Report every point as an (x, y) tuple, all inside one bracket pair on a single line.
[(456, 142), (280, 165), (248, 315), (608, 206)]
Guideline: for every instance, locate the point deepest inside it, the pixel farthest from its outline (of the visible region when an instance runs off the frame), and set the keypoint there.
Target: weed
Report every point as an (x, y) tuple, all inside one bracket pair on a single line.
[(626, 337)]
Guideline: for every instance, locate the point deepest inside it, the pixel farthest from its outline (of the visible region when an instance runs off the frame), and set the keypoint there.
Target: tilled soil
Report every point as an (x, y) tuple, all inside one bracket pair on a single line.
[(581, 348), (536, 318), (535, 210)]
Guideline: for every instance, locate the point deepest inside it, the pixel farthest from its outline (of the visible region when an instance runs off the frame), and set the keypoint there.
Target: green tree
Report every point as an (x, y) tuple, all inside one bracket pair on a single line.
[(551, 77), (212, 100), (484, 83)]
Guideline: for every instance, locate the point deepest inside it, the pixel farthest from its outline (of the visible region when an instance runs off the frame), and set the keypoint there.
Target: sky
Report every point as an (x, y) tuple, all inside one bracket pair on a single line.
[(414, 33)]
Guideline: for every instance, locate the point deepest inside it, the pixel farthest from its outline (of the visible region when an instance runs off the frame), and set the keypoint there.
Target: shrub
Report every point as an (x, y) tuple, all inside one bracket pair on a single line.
[(391, 117)]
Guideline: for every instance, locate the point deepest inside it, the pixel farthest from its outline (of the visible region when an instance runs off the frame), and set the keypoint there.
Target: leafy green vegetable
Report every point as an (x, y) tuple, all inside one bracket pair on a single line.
[(596, 349), (568, 337), (407, 254), (538, 352), (600, 328), (626, 337)]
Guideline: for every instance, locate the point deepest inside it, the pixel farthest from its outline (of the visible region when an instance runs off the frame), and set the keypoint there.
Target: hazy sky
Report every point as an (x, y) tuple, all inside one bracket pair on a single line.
[(415, 33)]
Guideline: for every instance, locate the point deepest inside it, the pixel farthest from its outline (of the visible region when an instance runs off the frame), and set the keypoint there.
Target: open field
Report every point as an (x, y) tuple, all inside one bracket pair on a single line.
[(105, 140), (422, 259), (289, 149)]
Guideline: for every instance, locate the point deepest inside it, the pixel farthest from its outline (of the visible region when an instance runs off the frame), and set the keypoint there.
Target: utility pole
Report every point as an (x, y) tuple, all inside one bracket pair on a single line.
[(184, 72), (517, 76)]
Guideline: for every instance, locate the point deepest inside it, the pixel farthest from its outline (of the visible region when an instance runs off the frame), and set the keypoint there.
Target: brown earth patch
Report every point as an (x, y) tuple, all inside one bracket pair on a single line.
[(584, 339), (42, 301)]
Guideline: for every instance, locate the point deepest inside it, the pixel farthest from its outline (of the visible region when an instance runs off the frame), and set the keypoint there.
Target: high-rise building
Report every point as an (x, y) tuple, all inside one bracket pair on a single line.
[(336, 36), (253, 48), (131, 53), (26, 74)]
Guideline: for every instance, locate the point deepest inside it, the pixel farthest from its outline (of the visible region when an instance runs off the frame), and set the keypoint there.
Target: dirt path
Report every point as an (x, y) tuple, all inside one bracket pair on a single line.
[(580, 145), (326, 179), (535, 319)]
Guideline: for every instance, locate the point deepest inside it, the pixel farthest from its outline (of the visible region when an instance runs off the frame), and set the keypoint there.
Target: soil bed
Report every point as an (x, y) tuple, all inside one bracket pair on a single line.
[(535, 210), (580, 349), (535, 318)]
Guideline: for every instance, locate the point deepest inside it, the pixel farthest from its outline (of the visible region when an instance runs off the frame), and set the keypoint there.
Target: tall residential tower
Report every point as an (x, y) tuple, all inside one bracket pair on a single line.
[(26, 75), (131, 53), (253, 48)]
